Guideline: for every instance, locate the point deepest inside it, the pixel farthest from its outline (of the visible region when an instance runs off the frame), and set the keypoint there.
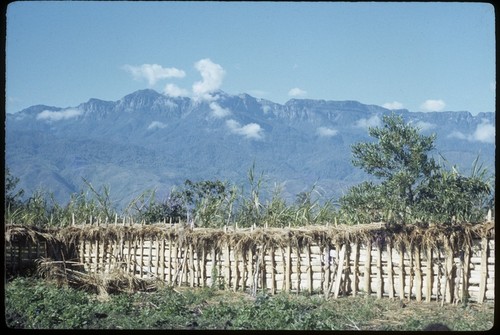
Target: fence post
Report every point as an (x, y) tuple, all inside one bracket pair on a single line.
[(368, 267), (484, 270)]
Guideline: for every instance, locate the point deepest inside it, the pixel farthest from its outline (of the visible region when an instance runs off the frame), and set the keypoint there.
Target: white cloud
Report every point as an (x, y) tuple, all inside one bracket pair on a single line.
[(425, 125), (251, 130), (153, 72), (326, 132), (393, 105), (212, 75), (266, 109), (433, 105), (373, 121), (297, 92), (175, 91), (218, 111), (58, 115), (156, 125), (485, 132)]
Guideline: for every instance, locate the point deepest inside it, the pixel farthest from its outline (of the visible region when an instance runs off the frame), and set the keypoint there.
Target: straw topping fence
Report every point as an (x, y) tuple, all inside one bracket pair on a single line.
[(451, 265)]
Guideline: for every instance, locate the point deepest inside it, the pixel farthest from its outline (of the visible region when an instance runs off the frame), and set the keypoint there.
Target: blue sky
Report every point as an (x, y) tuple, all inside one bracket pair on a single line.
[(419, 56)]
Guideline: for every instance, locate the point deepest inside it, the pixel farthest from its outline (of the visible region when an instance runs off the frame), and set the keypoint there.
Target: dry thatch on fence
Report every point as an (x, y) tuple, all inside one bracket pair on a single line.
[(20, 234), (111, 281)]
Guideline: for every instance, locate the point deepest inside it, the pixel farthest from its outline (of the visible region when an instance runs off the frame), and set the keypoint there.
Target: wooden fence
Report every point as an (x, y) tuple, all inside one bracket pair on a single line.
[(452, 266)]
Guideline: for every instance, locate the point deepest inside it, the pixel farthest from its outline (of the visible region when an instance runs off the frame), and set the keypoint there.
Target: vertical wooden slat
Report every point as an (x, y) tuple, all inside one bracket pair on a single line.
[(190, 267), (484, 270), (298, 270), (466, 271), (340, 269), (368, 268), (236, 271), (410, 284), (429, 275), (157, 260), (214, 273), (170, 265), (380, 284), (309, 269), (162, 259), (97, 251), (252, 268), (288, 269), (150, 255), (401, 272), (175, 259), (227, 266), (141, 257), (449, 268), (263, 269), (418, 275), (203, 268), (273, 270), (355, 271), (244, 270), (197, 280), (327, 272), (390, 274)]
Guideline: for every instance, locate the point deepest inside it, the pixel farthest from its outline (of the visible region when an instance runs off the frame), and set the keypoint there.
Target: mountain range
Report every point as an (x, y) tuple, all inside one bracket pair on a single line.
[(148, 140)]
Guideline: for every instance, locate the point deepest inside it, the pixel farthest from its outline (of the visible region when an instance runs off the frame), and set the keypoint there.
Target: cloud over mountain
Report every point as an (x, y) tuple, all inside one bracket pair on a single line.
[(297, 92), (153, 72), (58, 115), (326, 132), (432, 105), (212, 75), (250, 131)]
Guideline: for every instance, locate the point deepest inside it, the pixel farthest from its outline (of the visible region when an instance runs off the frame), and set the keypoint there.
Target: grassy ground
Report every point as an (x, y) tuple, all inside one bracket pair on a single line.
[(34, 303)]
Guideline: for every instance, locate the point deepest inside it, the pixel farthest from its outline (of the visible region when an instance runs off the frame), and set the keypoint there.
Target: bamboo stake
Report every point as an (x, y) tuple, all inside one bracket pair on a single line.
[(97, 251), (197, 279), (273, 271), (162, 258), (141, 257), (236, 271), (150, 261), (191, 265), (368, 268), (401, 273), (429, 274), (288, 269), (326, 255), (355, 269), (484, 270), (170, 265), (263, 269), (380, 285), (338, 277), (184, 266), (176, 259), (244, 272), (411, 274), (214, 274), (227, 265), (449, 269), (298, 271), (390, 274), (203, 268), (252, 269), (465, 280), (309, 269), (418, 274)]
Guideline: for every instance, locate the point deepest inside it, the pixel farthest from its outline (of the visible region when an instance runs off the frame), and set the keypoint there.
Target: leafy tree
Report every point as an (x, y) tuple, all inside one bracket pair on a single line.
[(13, 195), (413, 187)]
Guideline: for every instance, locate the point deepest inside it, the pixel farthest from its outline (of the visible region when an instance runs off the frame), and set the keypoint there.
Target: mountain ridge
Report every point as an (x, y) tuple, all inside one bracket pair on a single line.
[(148, 140)]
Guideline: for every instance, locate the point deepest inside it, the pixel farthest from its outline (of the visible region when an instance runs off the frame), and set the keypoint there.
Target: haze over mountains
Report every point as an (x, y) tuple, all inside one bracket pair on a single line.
[(148, 140)]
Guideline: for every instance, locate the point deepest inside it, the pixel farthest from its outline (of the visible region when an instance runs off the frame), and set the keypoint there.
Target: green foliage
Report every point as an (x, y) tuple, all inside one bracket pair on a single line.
[(36, 304), (413, 187)]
